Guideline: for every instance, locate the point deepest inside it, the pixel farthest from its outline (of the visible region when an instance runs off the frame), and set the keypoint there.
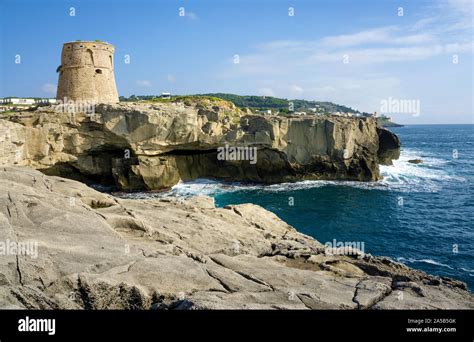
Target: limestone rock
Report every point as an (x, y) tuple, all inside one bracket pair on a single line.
[(155, 145), (389, 146), (100, 252)]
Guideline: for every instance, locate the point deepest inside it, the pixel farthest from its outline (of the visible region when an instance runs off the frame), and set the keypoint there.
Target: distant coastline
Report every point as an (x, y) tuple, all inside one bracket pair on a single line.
[(390, 124)]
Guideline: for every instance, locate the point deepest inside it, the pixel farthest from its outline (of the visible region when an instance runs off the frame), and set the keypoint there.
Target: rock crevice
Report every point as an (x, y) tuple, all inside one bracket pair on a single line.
[(186, 254), (154, 146)]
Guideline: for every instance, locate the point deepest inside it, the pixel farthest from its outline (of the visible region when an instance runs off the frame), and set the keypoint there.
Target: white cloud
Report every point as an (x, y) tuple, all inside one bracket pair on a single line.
[(464, 7), (381, 45), (295, 90), (459, 48), (456, 17), (379, 62), (49, 88), (443, 33), (413, 39), (423, 23), (392, 54), (143, 83), (384, 35), (379, 35)]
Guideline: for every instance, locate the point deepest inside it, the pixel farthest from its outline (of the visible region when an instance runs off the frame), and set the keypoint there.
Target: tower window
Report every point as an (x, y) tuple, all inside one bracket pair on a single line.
[(98, 71)]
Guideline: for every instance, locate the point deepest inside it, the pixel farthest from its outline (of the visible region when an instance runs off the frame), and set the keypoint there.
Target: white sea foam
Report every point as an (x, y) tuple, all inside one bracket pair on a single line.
[(436, 263), (425, 177), (401, 176), (205, 187), (469, 271), (425, 261)]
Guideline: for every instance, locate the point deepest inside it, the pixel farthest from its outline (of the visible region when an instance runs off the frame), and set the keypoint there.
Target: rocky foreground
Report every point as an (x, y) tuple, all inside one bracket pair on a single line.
[(152, 146), (99, 252)]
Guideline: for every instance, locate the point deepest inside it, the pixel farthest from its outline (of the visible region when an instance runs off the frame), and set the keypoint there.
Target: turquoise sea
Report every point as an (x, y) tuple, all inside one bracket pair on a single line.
[(421, 215)]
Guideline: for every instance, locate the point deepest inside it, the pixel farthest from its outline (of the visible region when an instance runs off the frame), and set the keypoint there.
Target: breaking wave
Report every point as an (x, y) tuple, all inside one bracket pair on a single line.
[(402, 176), (426, 177), (464, 270), (426, 261)]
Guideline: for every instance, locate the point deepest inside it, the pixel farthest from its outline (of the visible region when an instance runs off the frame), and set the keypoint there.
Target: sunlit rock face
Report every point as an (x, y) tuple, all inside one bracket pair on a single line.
[(154, 146), (89, 250)]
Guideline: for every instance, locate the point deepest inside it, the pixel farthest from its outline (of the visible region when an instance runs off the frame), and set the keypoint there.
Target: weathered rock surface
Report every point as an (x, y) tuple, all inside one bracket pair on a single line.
[(96, 251), (389, 146), (153, 146)]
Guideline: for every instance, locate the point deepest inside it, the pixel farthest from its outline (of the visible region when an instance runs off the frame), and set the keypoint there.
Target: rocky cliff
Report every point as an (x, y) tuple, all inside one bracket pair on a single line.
[(153, 146), (95, 251)]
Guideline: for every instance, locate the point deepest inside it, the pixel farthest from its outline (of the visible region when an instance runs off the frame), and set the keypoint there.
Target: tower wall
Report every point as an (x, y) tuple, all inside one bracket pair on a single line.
[(87, 72)]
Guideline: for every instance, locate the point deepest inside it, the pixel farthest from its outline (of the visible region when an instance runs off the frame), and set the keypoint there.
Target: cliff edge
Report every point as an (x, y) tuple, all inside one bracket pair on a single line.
[(155, 145), (95, 251)]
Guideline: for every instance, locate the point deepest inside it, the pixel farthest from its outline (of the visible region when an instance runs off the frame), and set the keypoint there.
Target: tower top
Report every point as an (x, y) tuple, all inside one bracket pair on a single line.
[(86, 72), (87, 44)]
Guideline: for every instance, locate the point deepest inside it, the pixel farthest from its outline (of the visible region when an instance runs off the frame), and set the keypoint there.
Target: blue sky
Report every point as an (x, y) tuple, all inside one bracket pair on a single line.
[(403, 57)]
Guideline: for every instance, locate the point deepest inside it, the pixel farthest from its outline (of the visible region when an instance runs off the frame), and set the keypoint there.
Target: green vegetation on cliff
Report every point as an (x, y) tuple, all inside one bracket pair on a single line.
[(261, 103), (254, 102), (269, 102)]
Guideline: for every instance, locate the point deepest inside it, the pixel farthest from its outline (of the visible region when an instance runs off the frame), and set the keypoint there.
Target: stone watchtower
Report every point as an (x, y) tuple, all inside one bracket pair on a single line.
[(87, 72)]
